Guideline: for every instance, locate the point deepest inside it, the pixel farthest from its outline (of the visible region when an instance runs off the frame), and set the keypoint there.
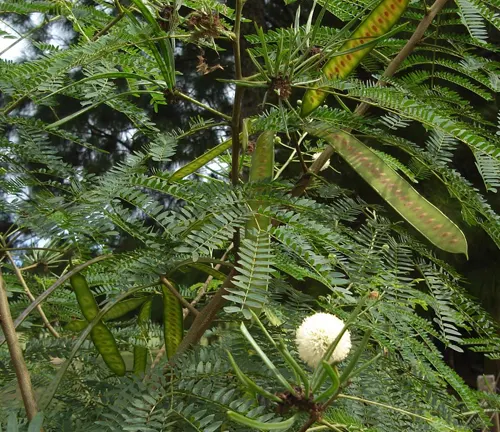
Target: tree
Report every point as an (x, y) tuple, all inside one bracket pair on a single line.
[(175, 296)]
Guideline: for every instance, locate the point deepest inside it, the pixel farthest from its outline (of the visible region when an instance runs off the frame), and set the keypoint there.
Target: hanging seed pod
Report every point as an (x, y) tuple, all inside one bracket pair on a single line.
[(117, 311), (424, 216), (172, 321), (261, 170), (101, 336), (379, 22)]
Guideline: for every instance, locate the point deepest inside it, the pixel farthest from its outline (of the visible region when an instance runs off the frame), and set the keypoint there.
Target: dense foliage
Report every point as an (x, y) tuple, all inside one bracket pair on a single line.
[(204, 269)]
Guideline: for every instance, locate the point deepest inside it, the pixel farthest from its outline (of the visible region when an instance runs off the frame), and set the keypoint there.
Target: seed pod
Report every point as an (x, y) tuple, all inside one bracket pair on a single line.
[(117, 311), (141, 352), (419, 212), (172, 321), (379, 22), (261, 170), (101, 336)]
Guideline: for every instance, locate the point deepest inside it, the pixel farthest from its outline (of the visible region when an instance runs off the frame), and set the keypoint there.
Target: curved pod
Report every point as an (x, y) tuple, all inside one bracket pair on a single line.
[(172, 321), (424, 216), (261, 170), (117, 311), (379, 22), (101, 336)]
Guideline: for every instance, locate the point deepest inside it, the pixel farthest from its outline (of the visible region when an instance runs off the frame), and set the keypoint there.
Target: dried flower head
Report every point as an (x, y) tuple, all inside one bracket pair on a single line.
[(281, 86), (316, 334), (327, 163), (205, 25)]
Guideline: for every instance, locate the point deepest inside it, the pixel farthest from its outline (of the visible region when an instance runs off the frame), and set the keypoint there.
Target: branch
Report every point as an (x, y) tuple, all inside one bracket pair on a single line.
[(179, 297), (238, 99), (415, 39), (31, 297), (16, 354), (205, 318)]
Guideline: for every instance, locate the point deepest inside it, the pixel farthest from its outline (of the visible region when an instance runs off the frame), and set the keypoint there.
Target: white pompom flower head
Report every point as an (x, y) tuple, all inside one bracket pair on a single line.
[(316, 334)]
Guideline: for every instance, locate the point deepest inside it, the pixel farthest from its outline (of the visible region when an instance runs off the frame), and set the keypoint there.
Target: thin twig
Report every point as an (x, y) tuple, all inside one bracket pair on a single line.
[(32, 266), (414, 40), (178, 295), (31, 296), (52, 288), (203, 289), (16, 354), (238, 98), (108, 27), (201, 104)]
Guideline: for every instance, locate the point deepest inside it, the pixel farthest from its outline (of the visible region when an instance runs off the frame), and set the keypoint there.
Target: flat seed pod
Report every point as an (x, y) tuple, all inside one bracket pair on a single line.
[(101, 336), (261, 170), (117, 311), (141, 352), (106, 345), (379, 22), (123, 308), (424, 216), (172, 321)]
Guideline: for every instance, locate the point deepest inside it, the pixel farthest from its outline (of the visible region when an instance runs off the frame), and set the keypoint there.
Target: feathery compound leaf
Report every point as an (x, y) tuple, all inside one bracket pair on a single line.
[(254, 268), (419, 212)]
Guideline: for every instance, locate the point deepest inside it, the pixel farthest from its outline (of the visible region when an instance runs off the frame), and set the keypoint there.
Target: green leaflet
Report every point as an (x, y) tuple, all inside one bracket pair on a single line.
[(115, 312), (379, 22), (261, 426), (419, 212), (101, 336), (261, 170), (172, 321), (141, 352)]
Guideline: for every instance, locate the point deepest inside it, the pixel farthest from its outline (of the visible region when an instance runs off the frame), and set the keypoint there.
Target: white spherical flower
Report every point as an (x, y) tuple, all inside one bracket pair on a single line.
[(316, 334), (327, 163)]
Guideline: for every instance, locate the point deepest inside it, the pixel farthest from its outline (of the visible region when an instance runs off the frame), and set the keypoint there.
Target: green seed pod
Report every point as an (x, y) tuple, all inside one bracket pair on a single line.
[(419, 212), (172, 321), (379, 22), (101, 336), (76, 325), (141, 352), (261, 170), (117, 311)]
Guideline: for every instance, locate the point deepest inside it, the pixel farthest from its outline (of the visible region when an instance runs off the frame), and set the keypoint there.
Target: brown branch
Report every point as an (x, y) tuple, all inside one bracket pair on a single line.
[(31, 296), (416, 37), (16, 354), (205, 318), (179, 297), (238, 97)]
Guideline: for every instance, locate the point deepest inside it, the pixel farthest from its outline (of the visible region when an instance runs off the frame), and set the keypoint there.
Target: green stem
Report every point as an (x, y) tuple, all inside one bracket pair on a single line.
[(201, 104), (393, 408)]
